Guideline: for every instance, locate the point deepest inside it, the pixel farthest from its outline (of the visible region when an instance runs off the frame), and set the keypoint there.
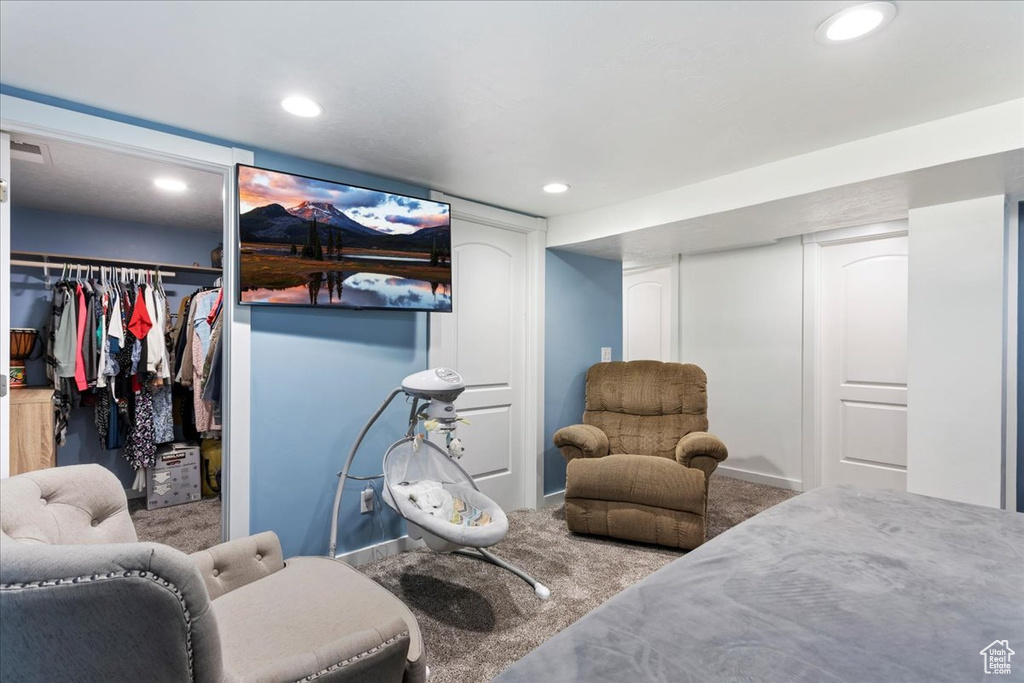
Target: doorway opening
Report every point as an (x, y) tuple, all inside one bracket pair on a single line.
[(126, 250)]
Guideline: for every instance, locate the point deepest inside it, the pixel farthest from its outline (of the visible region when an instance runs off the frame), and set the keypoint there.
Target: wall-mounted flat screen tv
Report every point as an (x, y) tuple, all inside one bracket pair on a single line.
[(309, 242)]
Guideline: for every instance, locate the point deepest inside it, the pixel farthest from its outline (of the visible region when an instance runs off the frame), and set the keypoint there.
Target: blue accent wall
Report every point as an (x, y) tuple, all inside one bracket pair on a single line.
[(583, 312), (62, 233), (317, 376)]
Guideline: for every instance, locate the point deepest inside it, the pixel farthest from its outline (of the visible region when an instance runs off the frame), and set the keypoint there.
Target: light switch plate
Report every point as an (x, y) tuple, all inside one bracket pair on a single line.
[(606, 354)]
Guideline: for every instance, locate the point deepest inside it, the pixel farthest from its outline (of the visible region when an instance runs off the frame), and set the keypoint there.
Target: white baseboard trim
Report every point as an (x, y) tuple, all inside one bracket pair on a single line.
[(379, 551), (556, 498), (758, 478)]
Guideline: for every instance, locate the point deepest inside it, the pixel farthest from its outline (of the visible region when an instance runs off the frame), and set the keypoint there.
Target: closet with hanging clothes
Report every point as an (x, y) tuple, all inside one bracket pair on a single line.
[(113, 286)]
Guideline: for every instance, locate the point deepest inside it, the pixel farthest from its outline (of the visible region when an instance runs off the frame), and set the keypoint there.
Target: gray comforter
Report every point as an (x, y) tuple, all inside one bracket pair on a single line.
[(836, 584)]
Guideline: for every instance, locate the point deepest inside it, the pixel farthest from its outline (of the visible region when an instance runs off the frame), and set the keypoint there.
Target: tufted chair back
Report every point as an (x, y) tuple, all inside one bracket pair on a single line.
[(69, 555), (646, 406), (42, 507)]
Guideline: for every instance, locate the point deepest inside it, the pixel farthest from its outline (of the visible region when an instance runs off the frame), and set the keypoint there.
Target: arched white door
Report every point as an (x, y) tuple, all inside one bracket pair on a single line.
[(864, 363), (649, 301), (485, 340)]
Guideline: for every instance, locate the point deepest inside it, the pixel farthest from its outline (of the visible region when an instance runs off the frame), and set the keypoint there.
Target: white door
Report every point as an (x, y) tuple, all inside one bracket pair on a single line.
[(5, 304), (648, 314), (484, 339), (864, 363)]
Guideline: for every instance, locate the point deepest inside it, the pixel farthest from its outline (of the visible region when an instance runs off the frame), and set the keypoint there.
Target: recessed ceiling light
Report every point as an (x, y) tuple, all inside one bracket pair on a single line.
[(855, 22), (302, 106), (555, 188), (170, 184)]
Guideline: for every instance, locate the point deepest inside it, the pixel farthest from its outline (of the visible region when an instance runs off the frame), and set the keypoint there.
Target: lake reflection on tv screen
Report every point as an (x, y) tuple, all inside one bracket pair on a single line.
[(357, 290)]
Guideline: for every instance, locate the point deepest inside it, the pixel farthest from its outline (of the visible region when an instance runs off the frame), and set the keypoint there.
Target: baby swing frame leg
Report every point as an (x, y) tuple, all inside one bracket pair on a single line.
[(540, 589)]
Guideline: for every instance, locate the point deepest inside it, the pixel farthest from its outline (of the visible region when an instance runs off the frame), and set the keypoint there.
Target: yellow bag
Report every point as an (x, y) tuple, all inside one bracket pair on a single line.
[(210, 453)]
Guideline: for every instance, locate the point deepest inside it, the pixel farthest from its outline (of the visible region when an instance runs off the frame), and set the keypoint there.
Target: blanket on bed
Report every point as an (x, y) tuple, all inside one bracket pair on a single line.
[(836, 584)]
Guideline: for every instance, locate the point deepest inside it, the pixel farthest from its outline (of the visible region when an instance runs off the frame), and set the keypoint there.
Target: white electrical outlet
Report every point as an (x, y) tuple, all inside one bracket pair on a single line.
[(366, 503), (606, 354)]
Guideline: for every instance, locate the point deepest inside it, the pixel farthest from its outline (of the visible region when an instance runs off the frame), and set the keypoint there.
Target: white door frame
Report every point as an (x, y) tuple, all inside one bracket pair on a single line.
[(5, 310), (1010, 398), (812, 390), (533, 392), (23, 116), (672, 263)]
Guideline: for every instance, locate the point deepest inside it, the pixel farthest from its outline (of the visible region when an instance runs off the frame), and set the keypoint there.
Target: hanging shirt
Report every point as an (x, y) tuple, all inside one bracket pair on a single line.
[(185, 371), (203, 308), (80, 381), (114, 340), (178, 336), (157, 360), (103, 305), (64, 345), (216, 308), (140, 323), (89, 353), (206, 418)]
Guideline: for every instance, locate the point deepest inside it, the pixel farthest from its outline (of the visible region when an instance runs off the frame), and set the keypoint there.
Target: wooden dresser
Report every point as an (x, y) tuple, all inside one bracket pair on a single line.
[(32, 446)]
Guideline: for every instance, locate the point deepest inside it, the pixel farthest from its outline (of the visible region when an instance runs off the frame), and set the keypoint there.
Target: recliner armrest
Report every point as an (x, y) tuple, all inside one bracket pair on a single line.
[(236, 563), (702, 451), (581, 440)]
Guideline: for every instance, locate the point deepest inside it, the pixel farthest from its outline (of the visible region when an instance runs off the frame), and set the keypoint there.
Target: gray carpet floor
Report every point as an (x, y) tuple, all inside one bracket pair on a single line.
[(189, 527), (478, 619)]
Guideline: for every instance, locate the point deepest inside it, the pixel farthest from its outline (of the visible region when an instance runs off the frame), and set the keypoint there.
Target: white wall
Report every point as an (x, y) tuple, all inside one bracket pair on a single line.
[(741, 320), (955, 351)]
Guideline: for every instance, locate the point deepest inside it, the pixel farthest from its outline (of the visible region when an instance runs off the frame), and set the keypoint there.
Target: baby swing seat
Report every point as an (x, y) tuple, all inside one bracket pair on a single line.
[(439, 500), (414, 460)]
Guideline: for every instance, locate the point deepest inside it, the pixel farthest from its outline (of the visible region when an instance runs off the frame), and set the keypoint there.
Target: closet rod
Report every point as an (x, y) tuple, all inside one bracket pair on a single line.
[(58, 265), (129, 263)]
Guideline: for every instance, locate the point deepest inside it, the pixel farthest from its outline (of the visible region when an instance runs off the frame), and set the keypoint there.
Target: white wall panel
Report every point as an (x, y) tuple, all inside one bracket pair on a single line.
[(740, 320), (955, 349)]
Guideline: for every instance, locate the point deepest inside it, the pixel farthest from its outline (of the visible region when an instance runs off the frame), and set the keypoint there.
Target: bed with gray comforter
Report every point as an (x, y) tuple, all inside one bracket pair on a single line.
[(836, 584)]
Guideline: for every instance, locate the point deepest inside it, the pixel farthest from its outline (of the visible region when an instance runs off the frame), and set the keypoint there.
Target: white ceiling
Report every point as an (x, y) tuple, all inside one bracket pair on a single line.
[(492, 100), (95, 182)]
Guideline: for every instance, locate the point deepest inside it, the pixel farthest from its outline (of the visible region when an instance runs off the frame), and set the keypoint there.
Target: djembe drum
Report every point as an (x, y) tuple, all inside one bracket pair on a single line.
[(23, 341)]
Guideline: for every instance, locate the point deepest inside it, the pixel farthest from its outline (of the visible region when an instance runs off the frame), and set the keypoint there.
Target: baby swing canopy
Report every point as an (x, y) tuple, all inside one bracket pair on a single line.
[(413, 460)]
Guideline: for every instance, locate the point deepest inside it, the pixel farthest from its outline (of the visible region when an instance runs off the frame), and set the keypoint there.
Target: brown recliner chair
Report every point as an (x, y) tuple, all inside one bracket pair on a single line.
[(639, 466)]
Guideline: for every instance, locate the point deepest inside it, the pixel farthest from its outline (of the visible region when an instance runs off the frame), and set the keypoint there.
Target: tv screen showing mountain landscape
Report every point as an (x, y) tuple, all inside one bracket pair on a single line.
[(308, 242)]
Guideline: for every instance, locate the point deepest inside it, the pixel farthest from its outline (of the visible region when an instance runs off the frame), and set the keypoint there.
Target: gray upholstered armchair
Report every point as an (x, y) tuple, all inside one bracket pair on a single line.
[(640, 464), (82, 600)]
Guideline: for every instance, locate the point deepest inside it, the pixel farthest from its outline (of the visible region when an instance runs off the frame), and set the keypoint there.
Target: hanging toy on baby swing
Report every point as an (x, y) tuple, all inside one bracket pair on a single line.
[(439, 500), (452, 442), (455, 447)]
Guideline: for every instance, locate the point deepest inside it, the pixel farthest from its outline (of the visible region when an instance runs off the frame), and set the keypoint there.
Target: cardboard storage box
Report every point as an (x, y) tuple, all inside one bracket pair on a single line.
[(174, 477)]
